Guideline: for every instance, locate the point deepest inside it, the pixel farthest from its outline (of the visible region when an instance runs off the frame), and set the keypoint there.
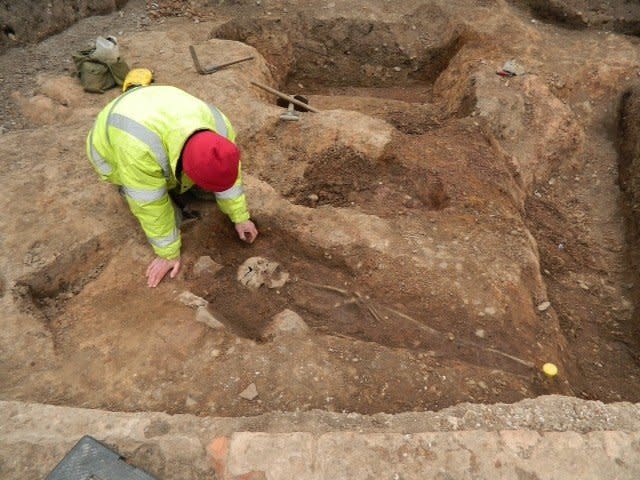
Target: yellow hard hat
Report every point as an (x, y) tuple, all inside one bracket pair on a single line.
[(137, 77)]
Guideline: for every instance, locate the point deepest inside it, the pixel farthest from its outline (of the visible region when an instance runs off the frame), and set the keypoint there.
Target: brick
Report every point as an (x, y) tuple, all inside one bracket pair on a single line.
[(218, 452)]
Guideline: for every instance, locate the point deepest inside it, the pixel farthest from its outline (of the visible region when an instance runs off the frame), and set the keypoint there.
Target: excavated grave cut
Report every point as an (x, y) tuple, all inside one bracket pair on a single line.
[(117, 350)]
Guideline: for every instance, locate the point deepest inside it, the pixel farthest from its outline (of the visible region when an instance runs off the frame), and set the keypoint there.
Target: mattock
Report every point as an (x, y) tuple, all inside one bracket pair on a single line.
[(206, 71), (291, 114), (294, 104)]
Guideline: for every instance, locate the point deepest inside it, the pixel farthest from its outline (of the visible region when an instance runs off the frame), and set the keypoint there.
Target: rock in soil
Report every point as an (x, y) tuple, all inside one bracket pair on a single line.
[(544, 306), (203, 315), (191, 300), (206, 266), (286, 323), (249, 393)]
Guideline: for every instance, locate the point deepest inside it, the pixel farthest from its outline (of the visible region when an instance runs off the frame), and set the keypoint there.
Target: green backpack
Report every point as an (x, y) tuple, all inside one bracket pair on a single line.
[(96, 76)]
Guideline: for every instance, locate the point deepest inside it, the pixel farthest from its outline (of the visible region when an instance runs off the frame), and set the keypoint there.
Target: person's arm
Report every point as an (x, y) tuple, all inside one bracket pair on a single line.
[(233, 202), (148, 199)]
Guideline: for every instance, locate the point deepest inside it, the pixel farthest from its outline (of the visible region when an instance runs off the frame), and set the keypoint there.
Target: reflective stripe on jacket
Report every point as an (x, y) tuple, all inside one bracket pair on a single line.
[(136, 143)]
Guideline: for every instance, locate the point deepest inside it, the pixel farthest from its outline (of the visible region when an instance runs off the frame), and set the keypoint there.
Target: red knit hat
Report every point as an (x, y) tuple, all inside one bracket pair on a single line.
[(211, 161)]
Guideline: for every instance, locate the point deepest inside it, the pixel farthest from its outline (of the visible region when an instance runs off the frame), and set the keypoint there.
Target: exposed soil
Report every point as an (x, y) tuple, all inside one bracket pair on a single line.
[(342, 178), (446, 230), (344, 52), (620, 16), (21, 66), (27, 22)]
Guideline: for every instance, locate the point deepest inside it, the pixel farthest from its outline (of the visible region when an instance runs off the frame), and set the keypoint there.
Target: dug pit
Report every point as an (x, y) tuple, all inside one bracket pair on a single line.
[(425, 266)]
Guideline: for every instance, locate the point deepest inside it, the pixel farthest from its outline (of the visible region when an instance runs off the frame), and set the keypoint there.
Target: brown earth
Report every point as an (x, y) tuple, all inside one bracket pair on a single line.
[(423, 216), (27, 22), (618, 16)]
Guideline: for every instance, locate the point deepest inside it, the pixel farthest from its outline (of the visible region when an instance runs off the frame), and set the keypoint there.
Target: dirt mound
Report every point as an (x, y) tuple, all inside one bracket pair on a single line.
[(343, 178)]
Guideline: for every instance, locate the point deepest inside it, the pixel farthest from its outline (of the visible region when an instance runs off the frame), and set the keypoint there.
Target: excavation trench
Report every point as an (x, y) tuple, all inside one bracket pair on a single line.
[(414, 267), (628, 146), (381, 69), (393, 329), (370, 350), (331, 290)]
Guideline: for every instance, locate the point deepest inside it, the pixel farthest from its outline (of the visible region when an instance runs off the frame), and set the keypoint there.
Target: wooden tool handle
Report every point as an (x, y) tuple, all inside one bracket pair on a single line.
[(288, 98)]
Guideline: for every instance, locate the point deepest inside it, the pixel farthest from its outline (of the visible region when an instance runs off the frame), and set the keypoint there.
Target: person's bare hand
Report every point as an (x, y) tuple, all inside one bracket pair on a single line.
[(247, 231), (157, 270)]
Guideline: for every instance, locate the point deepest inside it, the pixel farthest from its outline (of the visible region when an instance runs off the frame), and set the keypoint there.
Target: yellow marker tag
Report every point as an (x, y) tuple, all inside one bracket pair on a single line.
[(550, 370)]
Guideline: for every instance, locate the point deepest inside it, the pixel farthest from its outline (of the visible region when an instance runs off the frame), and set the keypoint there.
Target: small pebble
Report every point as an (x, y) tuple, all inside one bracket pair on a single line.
[(544, 306), (249, 393)]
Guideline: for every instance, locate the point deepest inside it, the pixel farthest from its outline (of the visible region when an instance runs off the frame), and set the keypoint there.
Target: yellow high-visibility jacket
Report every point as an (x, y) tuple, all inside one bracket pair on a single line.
[(136, 143)]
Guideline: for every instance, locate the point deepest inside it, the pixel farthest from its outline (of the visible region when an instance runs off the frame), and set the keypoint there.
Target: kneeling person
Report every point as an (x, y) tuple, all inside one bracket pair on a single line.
[(156, 139)]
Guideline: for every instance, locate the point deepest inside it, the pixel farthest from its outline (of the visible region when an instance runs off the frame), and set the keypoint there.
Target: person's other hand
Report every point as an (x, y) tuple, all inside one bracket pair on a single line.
[(159, 268), (247, 231)]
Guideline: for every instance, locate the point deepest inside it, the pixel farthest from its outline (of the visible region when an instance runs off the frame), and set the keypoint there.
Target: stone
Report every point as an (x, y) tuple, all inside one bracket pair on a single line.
[(191, 300), (251, 476), (205, 265), (249, 393), (480, 333), (218, 451), (544, 306), (156, 428), (513, 68), (286, 323), (258, 271), (190, 402), (203, 315), (554, 436)]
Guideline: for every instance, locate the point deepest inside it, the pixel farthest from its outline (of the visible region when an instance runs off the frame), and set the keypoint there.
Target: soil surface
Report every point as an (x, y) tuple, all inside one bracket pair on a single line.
[(446, 230), (619, 16)]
